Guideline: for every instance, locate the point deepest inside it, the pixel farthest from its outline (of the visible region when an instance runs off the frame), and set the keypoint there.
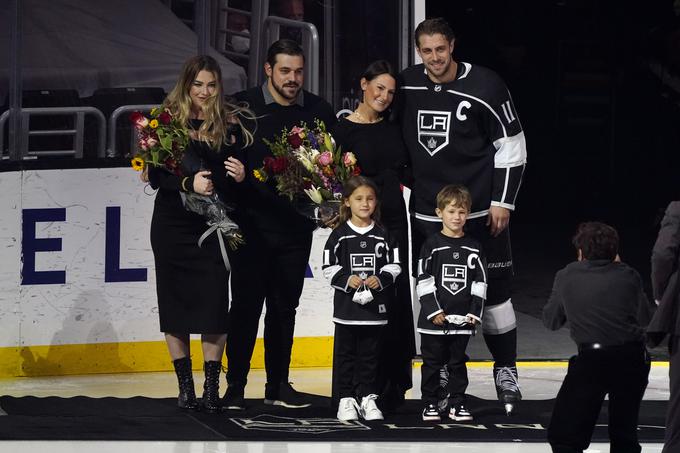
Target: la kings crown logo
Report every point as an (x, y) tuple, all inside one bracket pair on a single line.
[(433, 130), (362, 264), (454, 277)]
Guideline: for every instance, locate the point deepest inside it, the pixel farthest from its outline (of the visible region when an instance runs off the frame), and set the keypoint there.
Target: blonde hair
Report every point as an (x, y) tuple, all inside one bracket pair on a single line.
[(455, 193), (348, 189), (217, 112)]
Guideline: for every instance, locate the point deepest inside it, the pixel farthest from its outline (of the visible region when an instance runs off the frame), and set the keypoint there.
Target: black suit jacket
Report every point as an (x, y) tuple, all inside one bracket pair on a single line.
[(665, 277)]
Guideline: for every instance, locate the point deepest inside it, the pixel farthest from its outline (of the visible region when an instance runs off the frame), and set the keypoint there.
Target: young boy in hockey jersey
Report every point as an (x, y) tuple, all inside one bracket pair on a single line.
[(452, 289), (360, 261)]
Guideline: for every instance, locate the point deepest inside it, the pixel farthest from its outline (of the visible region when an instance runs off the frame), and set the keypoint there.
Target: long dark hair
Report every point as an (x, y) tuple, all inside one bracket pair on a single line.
[(350, 186)]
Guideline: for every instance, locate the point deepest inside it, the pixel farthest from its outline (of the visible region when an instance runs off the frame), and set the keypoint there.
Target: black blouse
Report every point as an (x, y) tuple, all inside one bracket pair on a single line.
[(382, 157)]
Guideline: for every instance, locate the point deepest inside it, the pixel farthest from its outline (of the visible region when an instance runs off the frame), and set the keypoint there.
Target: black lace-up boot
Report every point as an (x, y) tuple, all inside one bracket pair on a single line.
[(211, 386), (187, 395)]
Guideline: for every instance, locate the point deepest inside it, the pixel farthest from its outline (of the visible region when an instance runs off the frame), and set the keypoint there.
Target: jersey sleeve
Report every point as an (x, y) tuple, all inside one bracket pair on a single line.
[(505, 131), (426, 288), (333, 271), (478, 289), (389, 272)]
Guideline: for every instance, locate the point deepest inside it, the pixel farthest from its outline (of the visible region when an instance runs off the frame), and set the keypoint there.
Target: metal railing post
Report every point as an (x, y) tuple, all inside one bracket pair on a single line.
[(16, 137)]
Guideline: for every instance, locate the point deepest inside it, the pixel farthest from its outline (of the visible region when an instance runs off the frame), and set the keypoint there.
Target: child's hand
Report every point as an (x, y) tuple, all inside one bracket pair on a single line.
[(472, 321), (354, 281), (439, 319), (373, 282)]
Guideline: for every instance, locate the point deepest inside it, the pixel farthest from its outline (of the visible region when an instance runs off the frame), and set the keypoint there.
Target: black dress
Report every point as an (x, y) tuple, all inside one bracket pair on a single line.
[(191, 281), (382, 157)]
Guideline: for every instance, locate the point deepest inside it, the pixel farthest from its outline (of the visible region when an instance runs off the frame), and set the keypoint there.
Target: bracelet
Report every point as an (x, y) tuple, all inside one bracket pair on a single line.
[(184, 180)]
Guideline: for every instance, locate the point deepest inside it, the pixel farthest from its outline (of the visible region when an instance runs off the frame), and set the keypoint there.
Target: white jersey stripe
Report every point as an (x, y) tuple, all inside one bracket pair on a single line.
[(499, 318)]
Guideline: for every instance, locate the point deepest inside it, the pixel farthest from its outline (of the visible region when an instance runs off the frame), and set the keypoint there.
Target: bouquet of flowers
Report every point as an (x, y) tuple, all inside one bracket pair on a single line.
[(162, 140), (307, 165)]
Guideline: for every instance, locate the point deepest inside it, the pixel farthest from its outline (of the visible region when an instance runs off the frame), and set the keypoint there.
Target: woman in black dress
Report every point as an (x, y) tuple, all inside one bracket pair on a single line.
[(191, 281), (382, 157)]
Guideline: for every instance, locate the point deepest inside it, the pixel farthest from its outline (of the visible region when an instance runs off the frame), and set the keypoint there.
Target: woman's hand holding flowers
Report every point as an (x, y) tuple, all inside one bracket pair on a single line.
[(203, 185)]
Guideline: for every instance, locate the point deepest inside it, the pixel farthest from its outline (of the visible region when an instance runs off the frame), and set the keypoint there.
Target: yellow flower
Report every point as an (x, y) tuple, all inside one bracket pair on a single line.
[(259, 175), (153, 124), (137, 164)]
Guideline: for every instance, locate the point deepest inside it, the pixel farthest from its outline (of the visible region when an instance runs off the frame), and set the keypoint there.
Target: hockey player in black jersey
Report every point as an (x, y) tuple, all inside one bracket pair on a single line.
[(460, 126), (361, 263), (451, 289)]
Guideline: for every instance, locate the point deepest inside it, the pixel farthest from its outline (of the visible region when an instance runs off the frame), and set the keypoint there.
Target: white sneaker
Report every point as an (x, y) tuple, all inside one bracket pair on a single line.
[(347, 409), (368, 410), (459, 413)]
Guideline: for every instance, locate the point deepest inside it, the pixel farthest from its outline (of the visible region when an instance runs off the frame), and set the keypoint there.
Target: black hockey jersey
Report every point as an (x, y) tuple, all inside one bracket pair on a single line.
[(462, 132), (351, 250), (451, 279)]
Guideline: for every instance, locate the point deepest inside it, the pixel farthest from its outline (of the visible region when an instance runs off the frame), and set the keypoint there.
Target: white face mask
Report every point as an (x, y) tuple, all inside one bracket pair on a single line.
[(363, 295), (240, 44)]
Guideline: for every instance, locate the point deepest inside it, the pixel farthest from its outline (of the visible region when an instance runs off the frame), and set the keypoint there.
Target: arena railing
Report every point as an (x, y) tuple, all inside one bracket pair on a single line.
[(78, 131)]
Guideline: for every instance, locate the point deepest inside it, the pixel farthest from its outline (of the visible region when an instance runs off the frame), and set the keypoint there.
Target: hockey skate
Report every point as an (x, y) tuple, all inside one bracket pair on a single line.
[(507, 387)]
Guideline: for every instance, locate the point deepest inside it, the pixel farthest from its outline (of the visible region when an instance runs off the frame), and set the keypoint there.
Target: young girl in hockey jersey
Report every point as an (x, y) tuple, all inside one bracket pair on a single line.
[(360, 262)]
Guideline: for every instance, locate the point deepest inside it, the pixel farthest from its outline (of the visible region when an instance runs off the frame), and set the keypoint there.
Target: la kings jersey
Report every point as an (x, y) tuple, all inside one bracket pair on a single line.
[(462, 132), (351, 250), (451, 279)]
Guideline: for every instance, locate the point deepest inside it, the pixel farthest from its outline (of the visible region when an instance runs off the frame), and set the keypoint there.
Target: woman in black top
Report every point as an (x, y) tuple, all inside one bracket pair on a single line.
[(191, 281), (381, 155)]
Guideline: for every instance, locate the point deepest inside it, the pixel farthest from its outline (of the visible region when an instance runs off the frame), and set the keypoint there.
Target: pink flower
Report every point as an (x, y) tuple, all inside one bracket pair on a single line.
[(349, 159), (296, 130), (151, 142), (325, 158)]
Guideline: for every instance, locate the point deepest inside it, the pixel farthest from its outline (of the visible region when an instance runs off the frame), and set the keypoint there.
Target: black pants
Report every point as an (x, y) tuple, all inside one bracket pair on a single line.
[(268, 267), (439, 351), (621, 372), (503, 343), (355, 359), (672, 436)]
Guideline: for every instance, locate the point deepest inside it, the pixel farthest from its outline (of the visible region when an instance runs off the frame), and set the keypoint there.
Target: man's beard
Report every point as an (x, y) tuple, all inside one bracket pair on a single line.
[(279, 89)]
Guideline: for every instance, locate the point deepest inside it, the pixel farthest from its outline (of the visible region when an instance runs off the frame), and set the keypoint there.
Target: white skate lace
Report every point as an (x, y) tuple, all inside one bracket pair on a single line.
[(506, 379)]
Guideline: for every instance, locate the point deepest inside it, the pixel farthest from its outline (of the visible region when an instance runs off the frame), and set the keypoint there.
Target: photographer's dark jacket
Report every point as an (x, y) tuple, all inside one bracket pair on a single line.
[(602, 300)]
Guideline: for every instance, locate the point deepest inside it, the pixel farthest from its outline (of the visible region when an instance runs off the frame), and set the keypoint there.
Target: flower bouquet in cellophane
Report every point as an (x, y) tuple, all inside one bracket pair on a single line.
[(309, 169), (161, 140)]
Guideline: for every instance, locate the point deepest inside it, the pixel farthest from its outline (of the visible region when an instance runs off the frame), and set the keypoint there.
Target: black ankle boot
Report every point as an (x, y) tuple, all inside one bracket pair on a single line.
[(187, 395), (211, 387)]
